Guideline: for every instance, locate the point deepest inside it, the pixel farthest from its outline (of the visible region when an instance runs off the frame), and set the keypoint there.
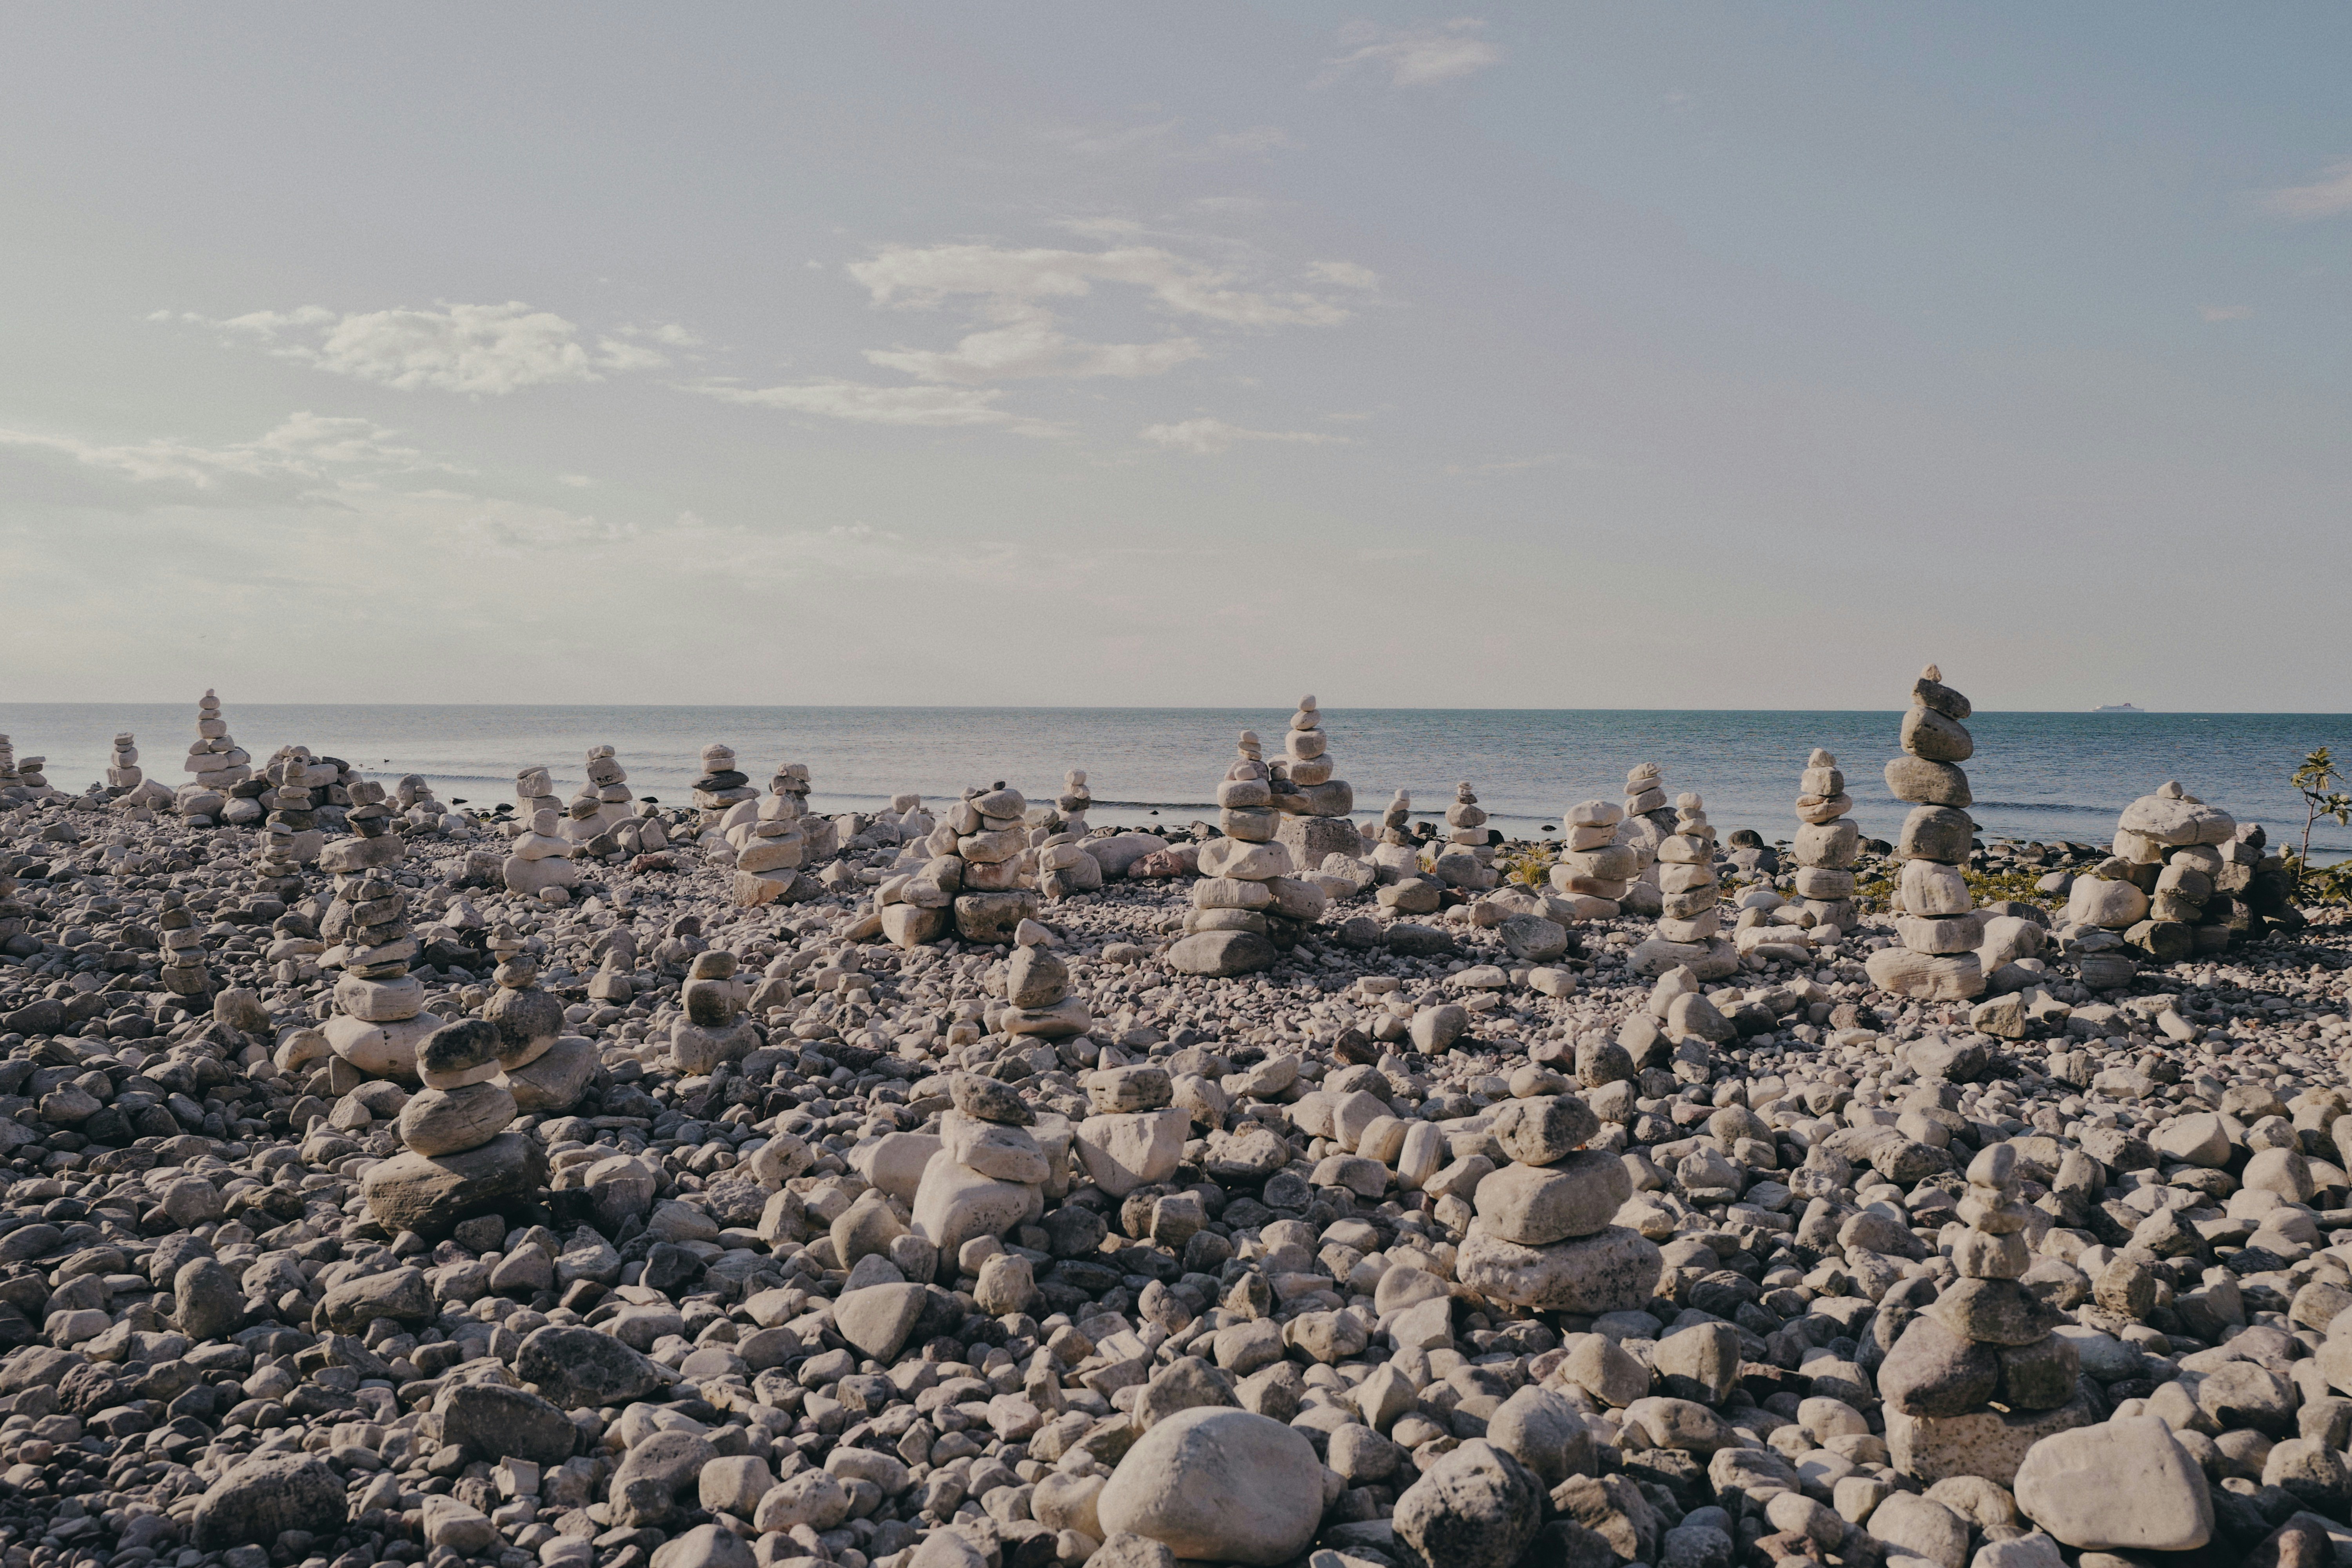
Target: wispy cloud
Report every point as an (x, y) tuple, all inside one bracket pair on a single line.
[(2330, 195), (2225, 312), (479, 350), (304, 448), (1413, 57), (921, 277), (1206, 436), (939, 407)]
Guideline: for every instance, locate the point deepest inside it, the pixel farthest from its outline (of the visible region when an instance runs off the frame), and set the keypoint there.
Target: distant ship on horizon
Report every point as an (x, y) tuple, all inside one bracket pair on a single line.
[(2118, 708)]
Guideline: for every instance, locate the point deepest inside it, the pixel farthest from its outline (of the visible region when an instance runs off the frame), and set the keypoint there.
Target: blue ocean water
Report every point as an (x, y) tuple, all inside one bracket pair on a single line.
[(2036, 775)]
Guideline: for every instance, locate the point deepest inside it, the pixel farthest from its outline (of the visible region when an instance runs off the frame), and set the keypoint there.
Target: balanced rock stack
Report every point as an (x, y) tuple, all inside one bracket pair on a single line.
[(1464, 858), (1313, 806), (8, 775), (990, 1170), (216, 759), (1647, 821), (714, 1029), (720, 788), (1986, 1341), (1594, 870), (1075, 801), (1541, 1236), (2195, 868), (1827, 845), (991, 840), (607, 788), (1938, 927), (769, 842), (1226, 932), (281, 864), (1689, 894), (1037, 991), (413, 796), (540, 861), (184, 972), (122, 771), (30, 775), (381, 1019), (460, 1159), (543, 1069)]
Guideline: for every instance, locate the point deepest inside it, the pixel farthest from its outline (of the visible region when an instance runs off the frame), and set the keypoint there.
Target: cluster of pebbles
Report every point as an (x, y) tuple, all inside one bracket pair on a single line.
[(384, 1211)]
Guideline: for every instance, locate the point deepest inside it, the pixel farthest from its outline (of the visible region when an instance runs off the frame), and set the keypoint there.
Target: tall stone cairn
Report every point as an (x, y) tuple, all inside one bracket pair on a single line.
[(1465, 860), (1313, 806), (1648, 819), (1939, 927), (992, 829), (771, 844), (1595, 869), (1065, 869), (1226, 929), (1689, 893), (721, 787), (122, 771), (7, 762), (1827, 844), (184, 972), (1985, 1341)]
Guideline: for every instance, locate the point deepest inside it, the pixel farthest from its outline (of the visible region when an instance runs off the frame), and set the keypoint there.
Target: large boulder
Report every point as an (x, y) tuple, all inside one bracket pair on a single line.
[(262, 1498), (2123, 1486), (1612, 1270), (430, 1194), (1225, 1485), (1476, 1508), (574, 1367), (494, 1422)]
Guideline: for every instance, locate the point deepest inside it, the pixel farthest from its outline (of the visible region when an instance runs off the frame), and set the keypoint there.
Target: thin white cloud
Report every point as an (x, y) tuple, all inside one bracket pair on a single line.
[(1346, 274), (2225, 312), (304, 448), (1206, 436), (921, 277), (1031, 345), (1413, 57), (2330, 195), (478, 350), (948, 407)]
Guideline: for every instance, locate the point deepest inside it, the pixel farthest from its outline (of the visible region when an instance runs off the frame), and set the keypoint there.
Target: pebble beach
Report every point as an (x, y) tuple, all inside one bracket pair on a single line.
[(990, 1181)]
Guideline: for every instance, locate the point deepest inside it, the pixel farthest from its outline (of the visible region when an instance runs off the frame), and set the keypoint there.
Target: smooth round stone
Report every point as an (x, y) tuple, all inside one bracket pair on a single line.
[(1220, 1485), (1536, 1204), (1922, 783), (448, 1121)]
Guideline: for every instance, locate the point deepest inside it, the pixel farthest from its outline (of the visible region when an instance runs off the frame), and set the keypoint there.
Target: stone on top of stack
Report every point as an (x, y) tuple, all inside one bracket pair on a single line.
[(1464, 858), (720, 788), (1987, 1341), (1827, 842), (1226, 930), (1542, 1236), (1647, 821), (770, 841), (1938, 929), (1594, 870), (1313, 806)]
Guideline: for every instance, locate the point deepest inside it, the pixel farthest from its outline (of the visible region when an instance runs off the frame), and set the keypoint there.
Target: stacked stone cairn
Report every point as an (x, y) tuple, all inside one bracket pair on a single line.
[(460, 1159), (714, 1029), (1690, 917), (768, 841), (1313, 806), (32, 774), (1394, 849), (184, 972), (544, 1069), (128, 782), (535, 791), (1595, 871), (413, 796), (1064, 869), (1648, 819), (607, 789), (219, 763), (381, 1020), (2198, 867), (991, 840), (1464, 858), (9, 777), (1938, 927), (994, 1159), (540, 861), (1227, 932), (1541, 1235), (720, 788), (1978, 1375), (1827, 844), (1037, 991)]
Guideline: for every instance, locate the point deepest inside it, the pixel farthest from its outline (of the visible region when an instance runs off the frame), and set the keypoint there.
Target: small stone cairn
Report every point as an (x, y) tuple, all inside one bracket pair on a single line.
[(1312, 805), (995, 1171), (219, 763), (1464, 858), (607, 789), (414, 797), (770, 841), (541, 861), (1594, 870), (1938, 929), (460, 1159), (184, 972), (1690, 918), (1986, 1341), (1827, 844), (380, 1019), (720, 788), (543, 1069), (1394, 853), (9, 777), (1065, 869), (1541, 1235), (1037, 991), (122, 771), (992, 841), (714, 1029), (1647, 821), (1226, 932)]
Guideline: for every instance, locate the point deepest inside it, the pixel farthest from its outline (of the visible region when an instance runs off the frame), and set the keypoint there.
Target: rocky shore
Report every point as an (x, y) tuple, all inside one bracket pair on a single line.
[(711, 1184)]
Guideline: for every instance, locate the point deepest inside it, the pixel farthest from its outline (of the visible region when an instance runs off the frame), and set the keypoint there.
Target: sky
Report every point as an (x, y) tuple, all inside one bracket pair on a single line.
[(1545, 356)]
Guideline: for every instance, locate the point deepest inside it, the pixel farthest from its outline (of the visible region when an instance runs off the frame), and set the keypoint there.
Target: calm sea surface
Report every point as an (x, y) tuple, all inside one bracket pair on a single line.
[(2036, 775)]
